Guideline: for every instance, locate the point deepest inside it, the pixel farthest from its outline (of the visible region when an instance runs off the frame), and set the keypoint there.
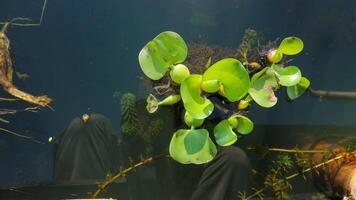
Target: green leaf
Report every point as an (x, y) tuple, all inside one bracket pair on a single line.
[(291, 46), (224, 135), (179, 73), (296, 91), (158, 55), (210, 86), (152, 103), (259, 74), (192, 122), (192, 146), (262, 89), (199, 107), (244, 125), (208, 63), (288, 76), (194, 140), (232, 76), (170, 100)]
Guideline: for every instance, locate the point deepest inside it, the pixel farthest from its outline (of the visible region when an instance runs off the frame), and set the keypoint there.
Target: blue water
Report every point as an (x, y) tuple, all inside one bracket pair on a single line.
[(84, 51)]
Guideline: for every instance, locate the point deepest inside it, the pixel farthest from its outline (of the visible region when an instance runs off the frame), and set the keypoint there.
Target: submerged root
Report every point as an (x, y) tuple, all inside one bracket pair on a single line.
[(4, 111)]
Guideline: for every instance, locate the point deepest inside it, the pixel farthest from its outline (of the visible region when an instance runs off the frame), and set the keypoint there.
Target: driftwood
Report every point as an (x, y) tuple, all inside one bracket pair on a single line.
[(7, 72), (337, 178), (6, 67)]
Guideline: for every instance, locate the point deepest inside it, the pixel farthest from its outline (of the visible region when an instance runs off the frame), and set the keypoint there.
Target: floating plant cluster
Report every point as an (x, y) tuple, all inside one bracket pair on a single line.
[(226, 86)]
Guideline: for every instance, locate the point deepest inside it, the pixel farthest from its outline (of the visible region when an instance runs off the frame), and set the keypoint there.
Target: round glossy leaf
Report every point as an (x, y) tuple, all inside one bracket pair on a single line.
[(210, 86), (291, 46), (232, 76), (262, 87), (233, 122), (195, 140), (170, 100), (245, 125), (224, 135), (296, 91), (199, 107), (179, 73), (287, 76), (165, 50), (192, 146), (192, 122)]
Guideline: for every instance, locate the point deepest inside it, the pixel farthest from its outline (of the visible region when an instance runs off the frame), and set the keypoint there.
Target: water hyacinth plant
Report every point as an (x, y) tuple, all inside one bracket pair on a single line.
[(226, 86)]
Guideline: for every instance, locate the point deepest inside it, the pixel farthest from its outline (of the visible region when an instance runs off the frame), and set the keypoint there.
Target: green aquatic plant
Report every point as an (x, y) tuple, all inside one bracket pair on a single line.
[(135, 125), (110, 178), (128, 113), (249, 39), (289, 164), (228, 80)]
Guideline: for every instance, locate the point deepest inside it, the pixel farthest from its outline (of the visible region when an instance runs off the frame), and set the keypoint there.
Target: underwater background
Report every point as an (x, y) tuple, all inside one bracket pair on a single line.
[(84, 51)]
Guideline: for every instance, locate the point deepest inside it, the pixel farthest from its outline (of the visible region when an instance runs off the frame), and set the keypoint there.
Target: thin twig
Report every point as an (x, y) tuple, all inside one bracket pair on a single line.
[(291, 150), (27, 19), (33, 109), (21, 136), (4, 121), (8, 99), (318, 165)]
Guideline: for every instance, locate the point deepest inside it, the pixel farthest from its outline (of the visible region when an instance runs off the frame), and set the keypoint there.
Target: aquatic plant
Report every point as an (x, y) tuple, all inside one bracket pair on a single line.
[(110, 178), (276, 180), (225, 87), (129, 115), (249, 39), (133, 124)]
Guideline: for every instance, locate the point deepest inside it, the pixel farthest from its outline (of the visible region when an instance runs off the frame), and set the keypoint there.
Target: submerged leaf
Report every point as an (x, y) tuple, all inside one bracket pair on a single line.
[(158, 55), (192, 146), (297, 90), (232, 76), (224, 135), (198, 106)]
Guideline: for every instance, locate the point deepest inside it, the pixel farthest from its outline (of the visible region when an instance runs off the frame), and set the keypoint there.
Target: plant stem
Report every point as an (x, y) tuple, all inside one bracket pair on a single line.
[(318, 165), (304, 171), (291, 150), (122, 173)]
